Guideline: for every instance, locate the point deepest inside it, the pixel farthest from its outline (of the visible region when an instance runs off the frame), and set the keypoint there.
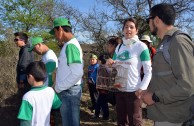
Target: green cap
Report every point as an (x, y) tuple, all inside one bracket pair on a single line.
[(59, 22), (34, 41)]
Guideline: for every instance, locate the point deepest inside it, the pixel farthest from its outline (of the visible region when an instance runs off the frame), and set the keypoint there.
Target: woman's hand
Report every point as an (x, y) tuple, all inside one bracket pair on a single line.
[(110, 61)]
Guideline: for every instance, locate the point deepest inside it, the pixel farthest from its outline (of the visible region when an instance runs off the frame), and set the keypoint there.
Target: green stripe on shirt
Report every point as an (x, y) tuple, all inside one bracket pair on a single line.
[(25, 111), (145, 55), (73, 54), (56, 102)]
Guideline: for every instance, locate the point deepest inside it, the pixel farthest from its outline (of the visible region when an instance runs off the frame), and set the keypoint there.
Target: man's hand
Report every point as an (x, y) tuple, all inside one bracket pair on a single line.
[(147, 98)]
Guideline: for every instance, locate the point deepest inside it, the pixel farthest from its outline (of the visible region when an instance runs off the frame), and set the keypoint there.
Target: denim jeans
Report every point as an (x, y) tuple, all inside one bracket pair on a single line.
[(70, 108)]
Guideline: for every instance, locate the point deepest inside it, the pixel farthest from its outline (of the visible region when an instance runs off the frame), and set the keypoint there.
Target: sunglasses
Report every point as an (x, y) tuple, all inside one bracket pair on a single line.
[(148, 19), (16, 39)]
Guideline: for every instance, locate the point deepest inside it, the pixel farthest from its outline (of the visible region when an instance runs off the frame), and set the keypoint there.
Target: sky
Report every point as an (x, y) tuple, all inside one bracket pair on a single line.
[(84, 6)]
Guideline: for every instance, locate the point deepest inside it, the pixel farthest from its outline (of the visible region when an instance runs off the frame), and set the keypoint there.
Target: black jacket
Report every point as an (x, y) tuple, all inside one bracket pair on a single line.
[(25, 58)]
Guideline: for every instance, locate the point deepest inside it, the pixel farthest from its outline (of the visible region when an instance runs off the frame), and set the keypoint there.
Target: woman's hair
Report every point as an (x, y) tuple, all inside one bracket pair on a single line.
[(131, 20), (37, 69), (103, 58), (114, 40)]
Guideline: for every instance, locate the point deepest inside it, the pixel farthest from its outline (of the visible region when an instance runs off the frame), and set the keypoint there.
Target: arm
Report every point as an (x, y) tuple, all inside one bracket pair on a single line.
[(25, 59), (56, 102), (146, 62)]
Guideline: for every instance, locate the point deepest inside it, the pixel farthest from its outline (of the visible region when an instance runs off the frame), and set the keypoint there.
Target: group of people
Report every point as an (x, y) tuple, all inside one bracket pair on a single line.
[(161, 79), (51, 88)]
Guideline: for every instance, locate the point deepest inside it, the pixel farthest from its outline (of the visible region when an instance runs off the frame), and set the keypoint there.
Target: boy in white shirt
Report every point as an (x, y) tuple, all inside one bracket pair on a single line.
[(37, 103)]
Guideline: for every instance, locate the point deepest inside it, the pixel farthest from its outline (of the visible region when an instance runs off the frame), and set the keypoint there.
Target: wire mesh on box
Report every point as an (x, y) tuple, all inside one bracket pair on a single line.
[(107, 76)]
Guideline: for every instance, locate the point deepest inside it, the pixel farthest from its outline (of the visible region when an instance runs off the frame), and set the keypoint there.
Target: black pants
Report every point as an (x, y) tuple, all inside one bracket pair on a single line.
[(93, 94), (102, 103)]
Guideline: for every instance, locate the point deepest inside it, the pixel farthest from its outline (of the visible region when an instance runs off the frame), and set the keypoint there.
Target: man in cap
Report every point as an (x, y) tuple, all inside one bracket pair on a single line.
[(69, 73), (49, 58)]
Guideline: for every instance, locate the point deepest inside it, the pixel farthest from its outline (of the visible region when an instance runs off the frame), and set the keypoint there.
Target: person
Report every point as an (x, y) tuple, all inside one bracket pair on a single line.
[(37, 103), (112, 44), (170, 93), (49, 58), (147, 41), (152, 50), (104, 79), (69, 73), (102, 101), (25, 58), (92, 74), (128, 60)]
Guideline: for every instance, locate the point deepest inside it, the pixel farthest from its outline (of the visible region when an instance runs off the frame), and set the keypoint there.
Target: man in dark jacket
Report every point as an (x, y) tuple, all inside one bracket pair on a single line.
[(25, 58)]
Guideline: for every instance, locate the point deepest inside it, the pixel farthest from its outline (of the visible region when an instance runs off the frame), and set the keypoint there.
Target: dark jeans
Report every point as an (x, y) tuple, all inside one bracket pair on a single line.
[(129, 111), (93, 94), (102, 103)]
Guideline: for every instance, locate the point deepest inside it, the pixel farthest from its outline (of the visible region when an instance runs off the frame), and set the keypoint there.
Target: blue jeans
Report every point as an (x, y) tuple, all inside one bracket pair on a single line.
[(70, 108)]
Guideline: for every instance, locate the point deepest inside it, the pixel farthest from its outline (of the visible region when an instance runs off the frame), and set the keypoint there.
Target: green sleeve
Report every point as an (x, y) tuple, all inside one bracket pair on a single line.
[(73, 54), (56, 102), (145, 55), (25, 111), (50, 68), (25, 122), (114, 56)]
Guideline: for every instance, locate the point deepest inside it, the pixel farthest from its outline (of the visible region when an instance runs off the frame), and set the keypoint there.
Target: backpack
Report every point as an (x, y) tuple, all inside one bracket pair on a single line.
[(166, 44)]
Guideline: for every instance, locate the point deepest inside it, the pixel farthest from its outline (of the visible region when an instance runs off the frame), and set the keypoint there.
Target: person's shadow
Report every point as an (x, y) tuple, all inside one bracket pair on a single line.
[(8, 111)]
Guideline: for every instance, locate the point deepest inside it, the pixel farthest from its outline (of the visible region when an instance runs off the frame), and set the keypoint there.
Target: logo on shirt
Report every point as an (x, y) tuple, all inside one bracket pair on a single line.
[(124, 56)]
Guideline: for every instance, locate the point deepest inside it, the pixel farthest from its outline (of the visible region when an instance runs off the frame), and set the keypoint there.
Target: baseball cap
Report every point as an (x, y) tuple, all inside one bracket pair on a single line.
[(59, 22), (94, 56), (34, 41), (146, 38)]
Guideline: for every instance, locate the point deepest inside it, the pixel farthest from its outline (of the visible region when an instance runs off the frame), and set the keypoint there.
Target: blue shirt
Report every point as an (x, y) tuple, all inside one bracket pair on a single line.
[(92, 72)]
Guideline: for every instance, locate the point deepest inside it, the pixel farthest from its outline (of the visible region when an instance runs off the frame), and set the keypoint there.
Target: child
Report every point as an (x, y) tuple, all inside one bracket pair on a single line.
[(37, 103), (92, 74), (102, 102)]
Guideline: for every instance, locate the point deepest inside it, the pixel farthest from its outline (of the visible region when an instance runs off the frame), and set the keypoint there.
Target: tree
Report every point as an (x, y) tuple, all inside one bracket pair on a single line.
[(35, 17), (96, 22)]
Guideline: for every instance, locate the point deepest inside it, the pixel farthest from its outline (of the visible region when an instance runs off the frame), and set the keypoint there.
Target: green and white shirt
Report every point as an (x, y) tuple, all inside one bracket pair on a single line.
[(36, 105), (51, 62), (128, 61), (70, 66)]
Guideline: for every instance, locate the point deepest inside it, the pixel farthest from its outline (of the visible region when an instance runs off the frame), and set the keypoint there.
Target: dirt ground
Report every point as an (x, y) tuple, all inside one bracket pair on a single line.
[(9, 109)]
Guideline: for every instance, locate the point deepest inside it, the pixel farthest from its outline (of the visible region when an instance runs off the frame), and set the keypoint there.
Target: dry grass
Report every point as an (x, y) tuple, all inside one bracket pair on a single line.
[(86, 115)]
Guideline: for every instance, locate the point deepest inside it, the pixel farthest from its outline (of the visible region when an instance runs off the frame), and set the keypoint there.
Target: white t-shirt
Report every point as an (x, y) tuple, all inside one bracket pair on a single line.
[(36, 105), (70, 66), (129, 60), (51, 62)]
